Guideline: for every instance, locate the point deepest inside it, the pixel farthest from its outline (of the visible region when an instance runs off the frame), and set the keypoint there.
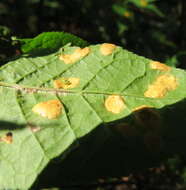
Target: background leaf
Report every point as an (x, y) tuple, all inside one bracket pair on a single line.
[(50, 41)]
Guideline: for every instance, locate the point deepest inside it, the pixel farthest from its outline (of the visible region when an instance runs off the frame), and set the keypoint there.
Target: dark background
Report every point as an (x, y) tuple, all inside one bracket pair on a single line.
[(152, 28)]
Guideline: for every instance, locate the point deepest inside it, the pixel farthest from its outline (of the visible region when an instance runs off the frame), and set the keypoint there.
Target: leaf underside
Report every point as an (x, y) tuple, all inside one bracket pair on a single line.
[(29, 80)]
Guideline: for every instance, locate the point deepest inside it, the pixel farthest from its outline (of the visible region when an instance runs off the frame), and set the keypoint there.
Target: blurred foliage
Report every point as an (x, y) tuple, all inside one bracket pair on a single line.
[(153, 28), (48, 42), (7, 46)]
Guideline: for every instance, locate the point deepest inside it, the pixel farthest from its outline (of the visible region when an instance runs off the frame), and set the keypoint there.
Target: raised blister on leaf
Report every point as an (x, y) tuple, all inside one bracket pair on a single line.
[(161, 86), (75, 56), (114, 104), (50, 109), (159, 66), (107, 49), (66, 83), (8, 138)]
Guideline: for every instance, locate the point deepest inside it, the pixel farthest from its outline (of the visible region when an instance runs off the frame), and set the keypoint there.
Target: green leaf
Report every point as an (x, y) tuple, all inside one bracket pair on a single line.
[(148, 5), (176, 60), (92, 122), (50, 41)]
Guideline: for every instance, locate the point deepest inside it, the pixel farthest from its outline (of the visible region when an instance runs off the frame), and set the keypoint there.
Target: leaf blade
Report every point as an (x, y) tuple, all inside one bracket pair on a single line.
[(29, 80)]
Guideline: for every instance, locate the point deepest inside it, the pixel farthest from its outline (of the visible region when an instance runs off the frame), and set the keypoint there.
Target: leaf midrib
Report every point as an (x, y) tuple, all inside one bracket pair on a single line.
[(27, 89)]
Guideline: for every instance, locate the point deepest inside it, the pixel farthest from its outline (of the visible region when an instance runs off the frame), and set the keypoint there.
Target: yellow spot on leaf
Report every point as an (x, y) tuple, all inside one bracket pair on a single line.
[(141, 107), (161, 86), (114, 104), (107, 49), (66, 83), (75, 56), (159, 66), (50, 109), (8, 138)]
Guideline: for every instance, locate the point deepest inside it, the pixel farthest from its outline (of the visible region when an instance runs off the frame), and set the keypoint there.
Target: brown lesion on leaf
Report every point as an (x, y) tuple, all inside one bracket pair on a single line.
[(8, 138), (107, 49), (50, 109), (75, 56), (159, 66), (161, 86), (66, 83), (114, 104)]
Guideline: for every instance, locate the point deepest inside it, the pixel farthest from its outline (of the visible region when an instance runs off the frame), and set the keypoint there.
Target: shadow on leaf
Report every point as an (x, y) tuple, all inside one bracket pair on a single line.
[(5, 125), (115, 150)]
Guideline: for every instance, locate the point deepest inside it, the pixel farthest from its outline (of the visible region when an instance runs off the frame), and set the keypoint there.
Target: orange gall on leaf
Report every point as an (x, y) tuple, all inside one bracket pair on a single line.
[(50, 109), (159, 66), (114, 104), (107, 49), (161, 86), (75, 56), (66, 83)]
